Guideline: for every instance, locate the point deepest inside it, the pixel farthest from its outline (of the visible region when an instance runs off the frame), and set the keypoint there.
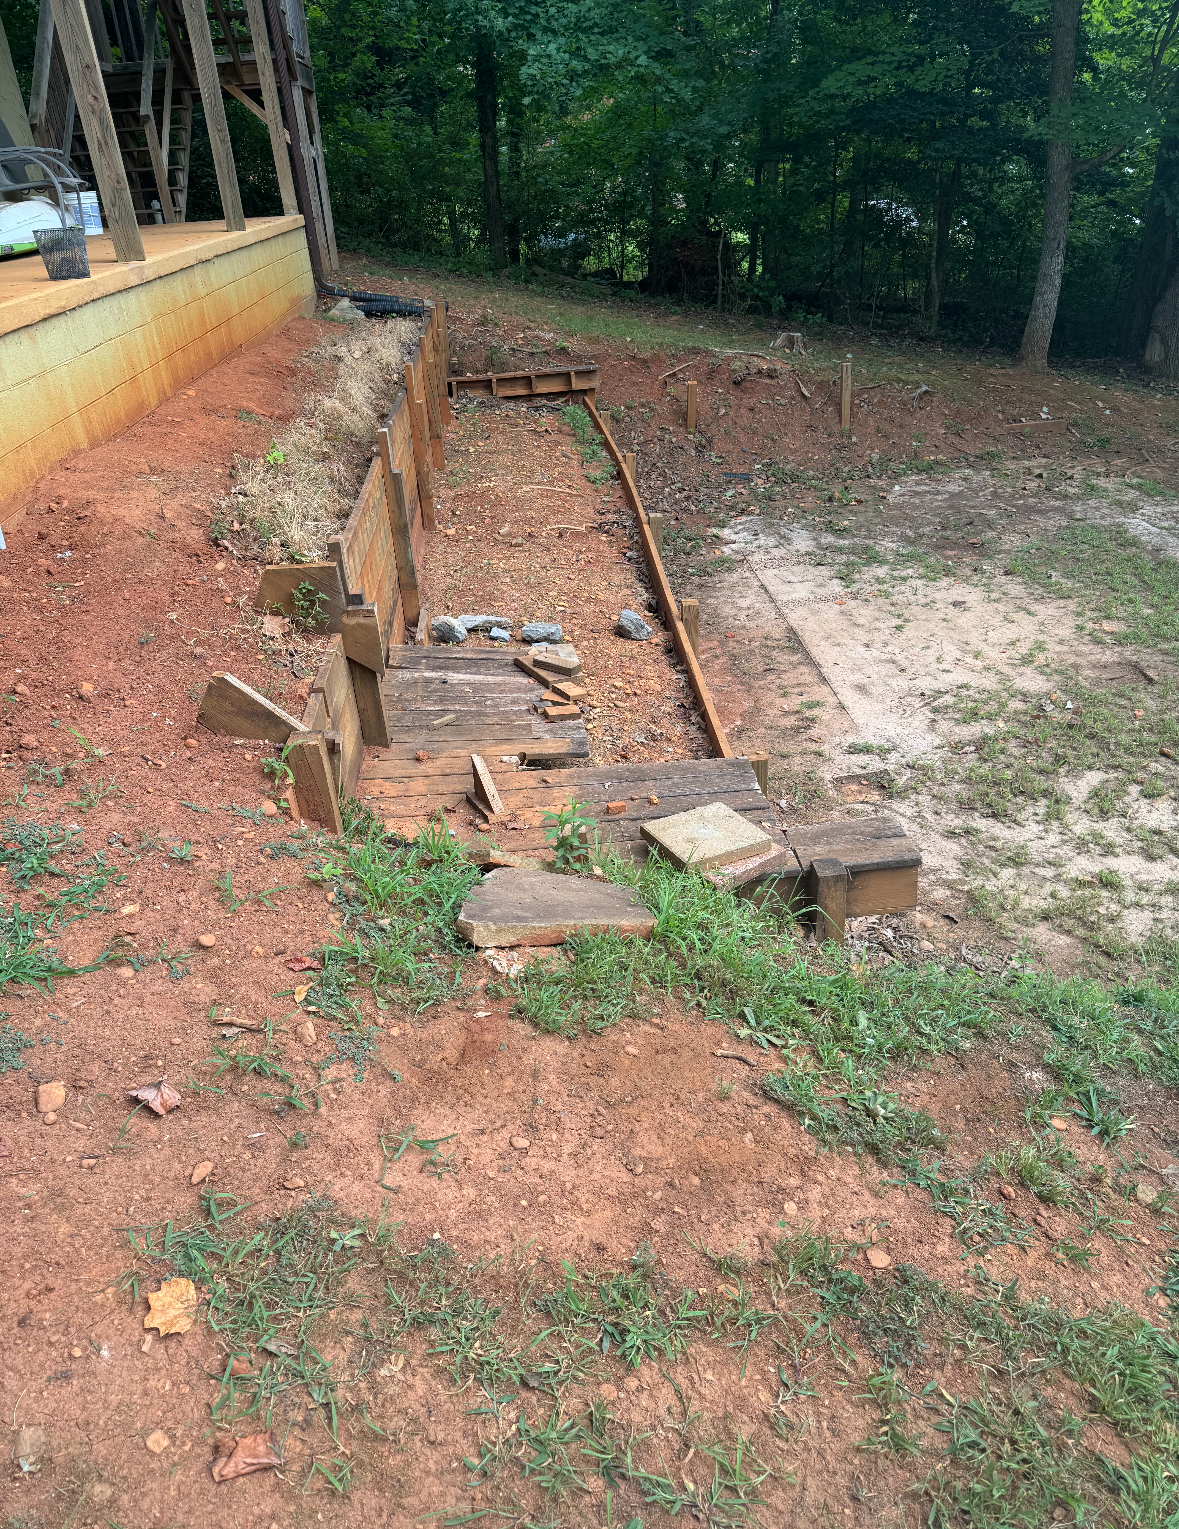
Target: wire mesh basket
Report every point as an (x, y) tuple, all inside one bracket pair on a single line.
[(64, 252)]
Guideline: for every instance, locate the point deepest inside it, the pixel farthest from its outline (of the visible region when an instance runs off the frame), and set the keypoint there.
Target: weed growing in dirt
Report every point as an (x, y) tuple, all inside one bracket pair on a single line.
[(12, 1043)]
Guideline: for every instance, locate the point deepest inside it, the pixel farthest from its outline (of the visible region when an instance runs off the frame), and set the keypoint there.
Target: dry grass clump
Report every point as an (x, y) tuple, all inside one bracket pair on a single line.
[(289, 501)]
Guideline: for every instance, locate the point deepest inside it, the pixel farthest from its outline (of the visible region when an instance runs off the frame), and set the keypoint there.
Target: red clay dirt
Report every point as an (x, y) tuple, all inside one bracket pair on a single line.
[(629, 1139)]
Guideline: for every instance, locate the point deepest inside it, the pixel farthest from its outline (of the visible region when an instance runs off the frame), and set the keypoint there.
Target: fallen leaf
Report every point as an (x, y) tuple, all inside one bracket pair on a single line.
[(159, 1096), (274, 625), (301, 991), (304, 964), (173, 1307), (130, 908), (256, 1452)]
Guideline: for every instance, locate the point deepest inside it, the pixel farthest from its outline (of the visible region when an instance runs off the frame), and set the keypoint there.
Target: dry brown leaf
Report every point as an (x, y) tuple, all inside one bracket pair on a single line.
[(304, 964), (159, 1096), (173, 1307), (301, 991), (256, 1452), (274, 625)]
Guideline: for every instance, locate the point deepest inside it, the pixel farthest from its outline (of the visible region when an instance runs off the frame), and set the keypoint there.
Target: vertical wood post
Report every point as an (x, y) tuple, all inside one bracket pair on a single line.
[(827, 889), (42, 60), (441, 364), (200, 40), (691, 408), (845, 395), (761, 768), (407, 573), (315, 781), (426, 377), (325, 201), (690, 616), (656, 523), (370, 708), (256, 12), (147, 80), (632, 462), (296, 122), (77, 46), (419, 433)]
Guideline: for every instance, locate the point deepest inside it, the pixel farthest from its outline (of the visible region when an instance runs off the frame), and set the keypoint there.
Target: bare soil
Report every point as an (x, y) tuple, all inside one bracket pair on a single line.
[(633, 1136)]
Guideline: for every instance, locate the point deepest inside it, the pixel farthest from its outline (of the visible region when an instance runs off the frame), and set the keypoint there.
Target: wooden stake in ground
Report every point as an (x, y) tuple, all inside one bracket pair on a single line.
[(407, 572), (90, 98), (631, 464), (827, 889), (656, 523), (761, 768), (690, 616), (419, 431), (691, 408), (425, 377), (200, 40), (845, 395)]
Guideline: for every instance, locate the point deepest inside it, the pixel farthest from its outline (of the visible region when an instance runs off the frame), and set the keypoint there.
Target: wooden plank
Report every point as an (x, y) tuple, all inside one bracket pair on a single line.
[(441, 364), (437, 455), (519, 384), (484, 787), (363, 639), (42, 66), (200, 40), (845, 395), (276, 590), (630, 462), (315, 714), (891, 889), (691, 408), (90, 99), (419, 432), (335, 683), (366, 689), (407, 573), (230, 707), (256, 12), (315, 786), (667, 604), (761, 768), (422, 634), (826, 884), (656, 523), (147, 116)]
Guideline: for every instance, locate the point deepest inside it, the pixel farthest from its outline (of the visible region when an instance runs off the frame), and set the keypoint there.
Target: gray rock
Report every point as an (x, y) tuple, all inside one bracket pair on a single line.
[(482, 623), (346, 312), (500, 634), (540, 631), (631, 624), (447, 629), (518, 907)]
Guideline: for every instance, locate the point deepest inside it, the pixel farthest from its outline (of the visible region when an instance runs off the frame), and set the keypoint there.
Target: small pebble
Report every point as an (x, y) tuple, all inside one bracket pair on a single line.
[(269, 810), (521, 1143), (207, 941)]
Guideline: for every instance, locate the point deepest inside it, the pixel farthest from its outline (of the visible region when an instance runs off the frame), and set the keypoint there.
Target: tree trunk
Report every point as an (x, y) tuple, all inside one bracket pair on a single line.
[(1033, 352), (487, 114), (655, 239), (515, 115), (944, 197), (1156, 251), (1161, 355), (755, 225)]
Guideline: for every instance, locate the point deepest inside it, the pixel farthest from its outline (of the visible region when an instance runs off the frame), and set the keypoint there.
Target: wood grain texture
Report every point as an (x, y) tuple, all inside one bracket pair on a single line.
[(419, 433), (363, 639), (93, 107), (334, 683), (574, 379), (200, 40), (366, 690), (315, 786), (230, 707), (256, 12)]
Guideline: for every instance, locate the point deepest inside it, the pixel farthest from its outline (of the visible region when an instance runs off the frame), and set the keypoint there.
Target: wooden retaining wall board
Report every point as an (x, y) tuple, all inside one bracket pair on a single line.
[(574, 379), (82, 360), (667, 604)]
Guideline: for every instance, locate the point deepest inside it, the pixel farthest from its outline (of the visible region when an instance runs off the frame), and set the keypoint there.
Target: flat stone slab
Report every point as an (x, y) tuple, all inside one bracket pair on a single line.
[(515, 907), (707, 837)]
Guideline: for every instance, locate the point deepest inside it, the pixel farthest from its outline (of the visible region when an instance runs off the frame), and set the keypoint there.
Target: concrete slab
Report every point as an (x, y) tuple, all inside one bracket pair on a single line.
[(517, 907), (707, 837)]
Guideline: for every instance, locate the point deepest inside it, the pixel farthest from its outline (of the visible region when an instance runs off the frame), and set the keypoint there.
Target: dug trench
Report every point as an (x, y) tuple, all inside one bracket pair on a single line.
[(722, 1224)]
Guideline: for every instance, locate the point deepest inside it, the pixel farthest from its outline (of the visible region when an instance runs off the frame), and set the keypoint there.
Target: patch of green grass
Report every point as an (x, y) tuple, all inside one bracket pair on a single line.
[(1114, 576)]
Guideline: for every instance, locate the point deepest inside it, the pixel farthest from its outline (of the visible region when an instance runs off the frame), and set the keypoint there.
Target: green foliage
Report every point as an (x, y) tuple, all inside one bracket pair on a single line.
[(310, 610), (572, 834)]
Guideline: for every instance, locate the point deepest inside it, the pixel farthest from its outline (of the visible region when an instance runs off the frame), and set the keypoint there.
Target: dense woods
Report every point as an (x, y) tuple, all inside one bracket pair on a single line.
[(1002, 171), (879, 163)]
